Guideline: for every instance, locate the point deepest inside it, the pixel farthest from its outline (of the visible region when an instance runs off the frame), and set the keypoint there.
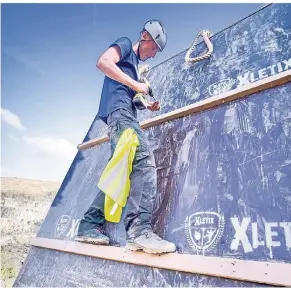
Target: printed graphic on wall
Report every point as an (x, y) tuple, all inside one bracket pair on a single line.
[(204, 230)]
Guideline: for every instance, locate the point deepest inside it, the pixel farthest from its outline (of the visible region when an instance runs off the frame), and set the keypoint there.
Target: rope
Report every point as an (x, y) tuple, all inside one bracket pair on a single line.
[(205, 34)]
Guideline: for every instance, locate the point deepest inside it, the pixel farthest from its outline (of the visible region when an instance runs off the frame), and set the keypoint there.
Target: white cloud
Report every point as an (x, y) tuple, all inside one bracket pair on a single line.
[(5, 172), (37, 168), (41, 157), (53, 146), (13, 138), (11, 119)]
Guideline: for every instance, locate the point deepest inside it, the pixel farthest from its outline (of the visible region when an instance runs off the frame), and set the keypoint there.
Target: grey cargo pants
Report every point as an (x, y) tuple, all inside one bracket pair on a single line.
[(143, 182)]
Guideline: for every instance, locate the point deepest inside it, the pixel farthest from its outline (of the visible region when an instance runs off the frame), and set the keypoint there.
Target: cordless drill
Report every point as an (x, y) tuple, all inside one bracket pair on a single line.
[(139, 100)]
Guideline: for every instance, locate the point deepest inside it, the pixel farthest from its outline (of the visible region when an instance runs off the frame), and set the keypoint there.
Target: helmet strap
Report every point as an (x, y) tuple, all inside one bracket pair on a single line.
[(138, 53), (140, 40)]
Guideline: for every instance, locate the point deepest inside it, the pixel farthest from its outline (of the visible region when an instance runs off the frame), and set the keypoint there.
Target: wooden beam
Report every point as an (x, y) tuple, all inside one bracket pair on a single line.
[(93, 142), (208, 103), (272, 273)]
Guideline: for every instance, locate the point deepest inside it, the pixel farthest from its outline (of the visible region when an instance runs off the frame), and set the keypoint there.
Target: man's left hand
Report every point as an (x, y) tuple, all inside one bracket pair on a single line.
[(154, 106)]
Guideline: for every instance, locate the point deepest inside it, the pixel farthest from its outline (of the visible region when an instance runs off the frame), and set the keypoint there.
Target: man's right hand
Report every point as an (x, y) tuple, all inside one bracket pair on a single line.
[(142, 88)]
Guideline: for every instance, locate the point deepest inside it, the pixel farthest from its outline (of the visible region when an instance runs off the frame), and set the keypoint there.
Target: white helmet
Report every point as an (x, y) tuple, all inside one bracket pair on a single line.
[(157, 31)]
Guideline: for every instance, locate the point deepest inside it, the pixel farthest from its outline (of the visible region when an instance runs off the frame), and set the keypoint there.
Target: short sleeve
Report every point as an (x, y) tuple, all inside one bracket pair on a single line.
[(125, 46)]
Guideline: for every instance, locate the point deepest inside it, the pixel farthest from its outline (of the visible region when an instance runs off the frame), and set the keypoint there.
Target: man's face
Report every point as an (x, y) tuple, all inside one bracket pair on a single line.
[(148, 49)]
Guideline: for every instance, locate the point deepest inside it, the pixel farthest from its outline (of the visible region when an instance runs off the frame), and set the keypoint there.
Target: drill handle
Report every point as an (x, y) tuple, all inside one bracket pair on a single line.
[(150, 90)]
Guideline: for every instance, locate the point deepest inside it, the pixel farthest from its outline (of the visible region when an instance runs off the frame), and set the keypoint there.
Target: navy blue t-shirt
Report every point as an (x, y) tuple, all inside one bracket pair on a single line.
[(115, 95)]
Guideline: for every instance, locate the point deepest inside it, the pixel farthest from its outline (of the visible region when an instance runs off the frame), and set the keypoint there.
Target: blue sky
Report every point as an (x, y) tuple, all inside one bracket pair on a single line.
[(50, 86)]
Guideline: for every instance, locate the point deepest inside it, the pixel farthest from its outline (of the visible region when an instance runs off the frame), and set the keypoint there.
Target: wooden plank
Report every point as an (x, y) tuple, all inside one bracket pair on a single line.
[(93, 142), (277, 274), (208, 103)]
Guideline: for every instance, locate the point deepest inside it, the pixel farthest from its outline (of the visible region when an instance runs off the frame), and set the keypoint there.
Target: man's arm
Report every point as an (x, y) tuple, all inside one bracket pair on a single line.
[(107, 64)]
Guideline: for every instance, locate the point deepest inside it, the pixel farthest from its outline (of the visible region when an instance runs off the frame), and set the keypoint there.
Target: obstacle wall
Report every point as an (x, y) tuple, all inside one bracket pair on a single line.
[(224, 185)]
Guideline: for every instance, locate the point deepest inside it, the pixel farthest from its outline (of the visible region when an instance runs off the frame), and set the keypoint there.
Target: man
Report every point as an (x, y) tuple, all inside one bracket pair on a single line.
[(119, 64)]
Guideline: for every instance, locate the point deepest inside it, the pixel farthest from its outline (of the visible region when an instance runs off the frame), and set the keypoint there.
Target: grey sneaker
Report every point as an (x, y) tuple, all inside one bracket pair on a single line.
[(151, 243), (93, 236)]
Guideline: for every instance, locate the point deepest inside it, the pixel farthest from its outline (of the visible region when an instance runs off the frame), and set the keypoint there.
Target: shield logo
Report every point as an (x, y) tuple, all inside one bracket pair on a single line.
[(221, 86), (62, 225), (204, 230)]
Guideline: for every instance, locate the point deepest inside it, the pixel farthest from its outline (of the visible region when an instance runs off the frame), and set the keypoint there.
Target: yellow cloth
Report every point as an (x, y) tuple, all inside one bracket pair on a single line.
[(115, 181)]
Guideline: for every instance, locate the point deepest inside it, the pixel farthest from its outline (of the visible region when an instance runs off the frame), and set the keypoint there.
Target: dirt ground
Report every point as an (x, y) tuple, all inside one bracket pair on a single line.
[(24, 205)]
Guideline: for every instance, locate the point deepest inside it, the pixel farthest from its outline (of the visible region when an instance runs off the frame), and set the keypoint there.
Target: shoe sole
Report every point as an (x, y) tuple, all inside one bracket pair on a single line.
[(135, 247), (92, 240)]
